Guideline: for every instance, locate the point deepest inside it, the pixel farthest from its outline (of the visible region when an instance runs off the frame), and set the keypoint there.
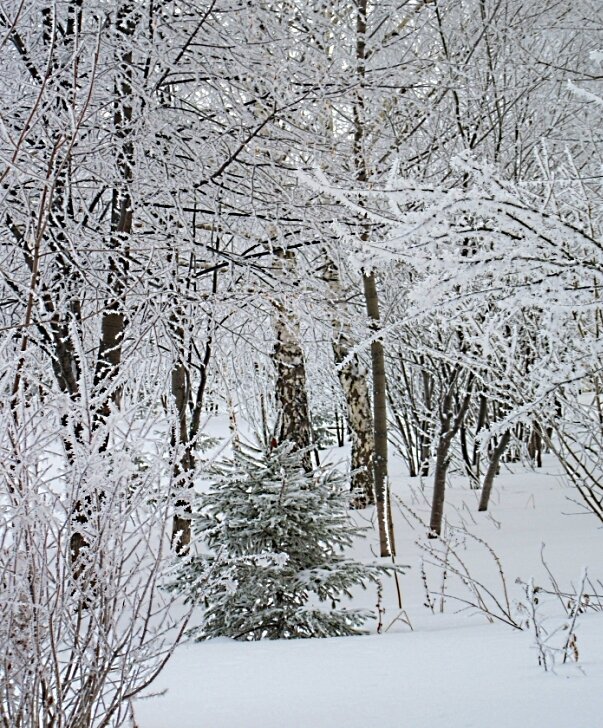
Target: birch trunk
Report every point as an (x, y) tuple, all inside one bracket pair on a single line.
[(353, 380), (290, 392), (382, 496)]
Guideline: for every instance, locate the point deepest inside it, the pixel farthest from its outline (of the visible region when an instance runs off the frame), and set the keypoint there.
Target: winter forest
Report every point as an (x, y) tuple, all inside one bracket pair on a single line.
[(301, 336)]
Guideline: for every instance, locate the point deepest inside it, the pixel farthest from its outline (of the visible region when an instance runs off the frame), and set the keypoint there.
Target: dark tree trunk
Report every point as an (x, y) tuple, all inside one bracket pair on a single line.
[(439, 484), (113, 321), (386, 533), (535, 444), (450, 423), (493, 470)]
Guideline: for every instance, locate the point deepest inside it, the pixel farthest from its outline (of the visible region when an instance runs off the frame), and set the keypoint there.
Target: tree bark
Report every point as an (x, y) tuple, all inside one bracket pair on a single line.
[(188, 401), (290, 392), (353, 380), (113, 321), (425, 436), (183, 466), (439, 484), (382, 496), (535, 444)]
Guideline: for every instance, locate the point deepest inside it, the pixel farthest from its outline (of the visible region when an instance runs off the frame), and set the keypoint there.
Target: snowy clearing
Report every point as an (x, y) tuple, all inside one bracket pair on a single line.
[(455, 670)]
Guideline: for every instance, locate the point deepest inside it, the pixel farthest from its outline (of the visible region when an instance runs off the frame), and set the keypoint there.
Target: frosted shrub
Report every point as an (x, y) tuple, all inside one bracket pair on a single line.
[(80, 639)]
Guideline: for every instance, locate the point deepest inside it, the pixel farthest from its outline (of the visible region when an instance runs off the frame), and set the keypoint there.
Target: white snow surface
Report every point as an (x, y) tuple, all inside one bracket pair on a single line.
[(452, 669)]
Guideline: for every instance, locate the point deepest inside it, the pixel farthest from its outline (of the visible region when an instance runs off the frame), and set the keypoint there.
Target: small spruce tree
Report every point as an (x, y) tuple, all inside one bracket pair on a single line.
[(277, 536)]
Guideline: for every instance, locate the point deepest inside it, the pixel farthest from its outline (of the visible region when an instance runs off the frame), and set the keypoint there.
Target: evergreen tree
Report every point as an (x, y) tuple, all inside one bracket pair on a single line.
[(277, 536)]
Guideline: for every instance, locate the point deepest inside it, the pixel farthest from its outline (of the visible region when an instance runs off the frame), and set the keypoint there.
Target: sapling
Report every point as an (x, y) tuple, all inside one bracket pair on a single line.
[(276, 537)]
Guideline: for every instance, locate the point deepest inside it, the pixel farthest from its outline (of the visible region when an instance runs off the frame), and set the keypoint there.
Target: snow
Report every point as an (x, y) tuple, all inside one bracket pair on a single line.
[(452, 677), (453, 669)]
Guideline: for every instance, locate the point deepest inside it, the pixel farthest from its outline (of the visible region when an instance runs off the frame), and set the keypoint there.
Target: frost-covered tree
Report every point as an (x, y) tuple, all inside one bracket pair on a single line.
[(487, 86), (277, 537), (526, 302)]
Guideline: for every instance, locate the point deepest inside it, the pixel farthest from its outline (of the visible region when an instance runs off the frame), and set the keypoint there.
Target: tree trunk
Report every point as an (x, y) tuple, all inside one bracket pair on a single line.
[(188, 402), (535, 444), (290, 392), (450, 425), (425, 436), (184, 464), (113, 321), (384, 517), (482, 420), (493, 470), (353, 380), (439, 484), (382, 496)]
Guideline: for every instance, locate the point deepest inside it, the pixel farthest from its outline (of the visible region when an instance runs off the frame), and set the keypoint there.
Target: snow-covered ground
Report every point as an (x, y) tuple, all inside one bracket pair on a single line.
[(452, 669)]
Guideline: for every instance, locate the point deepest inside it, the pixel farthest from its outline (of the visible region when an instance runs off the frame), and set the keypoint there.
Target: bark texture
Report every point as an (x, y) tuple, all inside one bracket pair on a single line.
[(382, 496), (184, 464), (290, 392), (353, 380)]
